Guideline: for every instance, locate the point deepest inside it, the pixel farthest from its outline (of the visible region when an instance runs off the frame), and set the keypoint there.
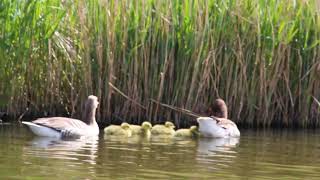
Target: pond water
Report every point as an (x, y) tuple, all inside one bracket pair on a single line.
[(257, 154)]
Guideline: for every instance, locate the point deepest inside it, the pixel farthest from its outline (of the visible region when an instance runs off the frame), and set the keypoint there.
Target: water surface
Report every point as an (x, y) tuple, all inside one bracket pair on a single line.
[(257, 154)]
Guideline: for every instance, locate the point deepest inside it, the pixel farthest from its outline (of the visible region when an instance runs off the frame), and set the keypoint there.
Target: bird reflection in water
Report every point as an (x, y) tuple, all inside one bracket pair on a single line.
[(82, 149)]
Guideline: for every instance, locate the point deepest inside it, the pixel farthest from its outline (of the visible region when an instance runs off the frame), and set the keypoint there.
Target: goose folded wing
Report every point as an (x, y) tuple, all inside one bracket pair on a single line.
[(225, 123), (61, 123)]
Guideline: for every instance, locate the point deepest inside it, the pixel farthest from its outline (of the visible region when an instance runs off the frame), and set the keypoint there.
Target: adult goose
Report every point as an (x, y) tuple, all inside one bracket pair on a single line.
[(67, 127), (218, 125)]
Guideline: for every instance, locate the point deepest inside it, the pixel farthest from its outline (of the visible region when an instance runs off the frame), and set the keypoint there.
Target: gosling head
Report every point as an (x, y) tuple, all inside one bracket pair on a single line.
[(194, 128), (125, 126), (169, 124), (146, 125)]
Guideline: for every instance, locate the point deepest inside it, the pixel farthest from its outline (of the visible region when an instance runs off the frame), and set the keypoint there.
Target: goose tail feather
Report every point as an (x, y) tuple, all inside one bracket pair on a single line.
[(42, 130)]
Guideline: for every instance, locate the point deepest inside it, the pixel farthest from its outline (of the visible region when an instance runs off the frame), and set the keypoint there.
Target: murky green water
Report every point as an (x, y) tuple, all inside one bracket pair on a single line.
[(263, 154)]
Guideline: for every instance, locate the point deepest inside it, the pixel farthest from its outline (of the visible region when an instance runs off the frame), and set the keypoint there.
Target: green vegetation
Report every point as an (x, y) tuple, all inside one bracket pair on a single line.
[(261, 56)]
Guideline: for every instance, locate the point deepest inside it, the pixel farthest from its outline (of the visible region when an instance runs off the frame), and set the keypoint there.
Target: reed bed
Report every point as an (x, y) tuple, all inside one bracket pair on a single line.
[(262, 57)]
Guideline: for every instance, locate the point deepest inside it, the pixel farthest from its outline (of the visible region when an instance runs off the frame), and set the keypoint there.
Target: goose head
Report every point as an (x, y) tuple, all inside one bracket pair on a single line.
[(90, 109), (92, 102), (218, 109)]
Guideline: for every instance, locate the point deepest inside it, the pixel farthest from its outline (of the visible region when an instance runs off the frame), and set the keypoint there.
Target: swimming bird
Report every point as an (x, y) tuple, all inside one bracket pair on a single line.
[(67, 127), (166, 129), (143, 130), (218, 125), (191, 132), (115, 130)]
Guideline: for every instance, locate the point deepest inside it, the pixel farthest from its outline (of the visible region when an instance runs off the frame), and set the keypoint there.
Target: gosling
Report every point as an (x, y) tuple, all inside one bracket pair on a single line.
[(192, 132), (166, 129), (122, 130), (143, 130)]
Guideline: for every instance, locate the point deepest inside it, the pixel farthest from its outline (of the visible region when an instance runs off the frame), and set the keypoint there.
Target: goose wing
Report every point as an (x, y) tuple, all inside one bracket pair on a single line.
[(229, 126), (62, 123), (225, 123)]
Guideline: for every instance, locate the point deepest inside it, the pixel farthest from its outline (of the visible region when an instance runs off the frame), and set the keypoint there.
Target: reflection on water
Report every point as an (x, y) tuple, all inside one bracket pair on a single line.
[(256, 155), (71, 149), (209, 146)]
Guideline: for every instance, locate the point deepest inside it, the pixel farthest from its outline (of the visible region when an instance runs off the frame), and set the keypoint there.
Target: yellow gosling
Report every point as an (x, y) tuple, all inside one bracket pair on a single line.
[(143, 130), (122, 130), (191, 132), (166, 129)]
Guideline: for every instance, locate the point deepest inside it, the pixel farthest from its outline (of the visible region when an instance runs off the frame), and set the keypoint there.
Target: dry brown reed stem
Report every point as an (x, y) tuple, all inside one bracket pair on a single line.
[(127, 97), (184, 111)]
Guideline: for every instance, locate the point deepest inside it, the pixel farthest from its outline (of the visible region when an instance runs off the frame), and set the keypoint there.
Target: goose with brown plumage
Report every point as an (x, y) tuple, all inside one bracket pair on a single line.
[(68, 127), (218, 125)]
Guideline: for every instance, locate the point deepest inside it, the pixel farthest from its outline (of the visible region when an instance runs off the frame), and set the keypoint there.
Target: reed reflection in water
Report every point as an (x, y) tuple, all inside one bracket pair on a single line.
[(256, 154)]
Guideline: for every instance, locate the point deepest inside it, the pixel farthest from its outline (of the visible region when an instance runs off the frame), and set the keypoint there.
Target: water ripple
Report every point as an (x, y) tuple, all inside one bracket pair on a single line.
[(256, 155)]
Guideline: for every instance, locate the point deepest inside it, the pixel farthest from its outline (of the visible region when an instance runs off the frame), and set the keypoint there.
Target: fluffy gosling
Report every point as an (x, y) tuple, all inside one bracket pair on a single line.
[(166, 129), (122, 130), (190, 133), (143, 130)]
